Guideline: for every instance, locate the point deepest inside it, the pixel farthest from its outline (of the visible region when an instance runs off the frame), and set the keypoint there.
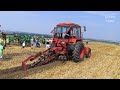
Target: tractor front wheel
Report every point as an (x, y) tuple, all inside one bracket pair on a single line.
[(79, 52)]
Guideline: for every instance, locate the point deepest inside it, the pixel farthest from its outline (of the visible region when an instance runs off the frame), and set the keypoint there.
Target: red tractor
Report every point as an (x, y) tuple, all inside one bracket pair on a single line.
[(67, 41)]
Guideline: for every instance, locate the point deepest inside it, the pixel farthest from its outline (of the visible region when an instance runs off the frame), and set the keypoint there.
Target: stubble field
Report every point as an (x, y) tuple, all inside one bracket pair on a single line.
[(103, 64)]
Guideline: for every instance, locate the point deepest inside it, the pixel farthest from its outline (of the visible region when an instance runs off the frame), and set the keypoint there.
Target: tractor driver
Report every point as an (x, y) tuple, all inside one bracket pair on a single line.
[(68, 35)]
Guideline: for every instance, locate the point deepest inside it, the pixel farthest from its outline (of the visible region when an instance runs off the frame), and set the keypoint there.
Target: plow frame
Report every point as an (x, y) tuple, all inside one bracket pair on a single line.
[(31, 58)]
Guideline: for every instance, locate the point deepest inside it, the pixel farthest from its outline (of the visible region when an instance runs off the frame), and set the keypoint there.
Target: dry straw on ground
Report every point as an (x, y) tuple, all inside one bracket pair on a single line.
[(103, 64)]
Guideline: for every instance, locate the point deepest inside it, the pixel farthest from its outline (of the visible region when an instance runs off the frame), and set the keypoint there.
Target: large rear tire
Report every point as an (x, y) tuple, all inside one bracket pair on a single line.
[(79, 52)]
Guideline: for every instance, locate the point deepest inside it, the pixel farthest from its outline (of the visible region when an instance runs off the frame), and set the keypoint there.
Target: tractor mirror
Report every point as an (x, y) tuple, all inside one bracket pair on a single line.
[(84, 29)]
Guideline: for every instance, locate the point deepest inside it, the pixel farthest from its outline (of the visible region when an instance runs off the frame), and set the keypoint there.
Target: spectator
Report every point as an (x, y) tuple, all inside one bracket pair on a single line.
[(86, 43), (23, 45), (47, 44), (1, 51), (38, 44), (2, 41), (32, 41)]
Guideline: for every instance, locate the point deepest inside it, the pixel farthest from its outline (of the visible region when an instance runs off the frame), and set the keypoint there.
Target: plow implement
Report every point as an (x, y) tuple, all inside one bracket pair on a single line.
[(42, 58)]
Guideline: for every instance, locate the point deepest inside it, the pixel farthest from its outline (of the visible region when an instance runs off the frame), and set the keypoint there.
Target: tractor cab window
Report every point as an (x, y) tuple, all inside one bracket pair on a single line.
[(76, 32), (60, 31), (68, 34)]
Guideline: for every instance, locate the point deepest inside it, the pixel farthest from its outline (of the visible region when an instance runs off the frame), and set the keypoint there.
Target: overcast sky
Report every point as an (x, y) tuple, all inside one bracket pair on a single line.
[(99, 24)]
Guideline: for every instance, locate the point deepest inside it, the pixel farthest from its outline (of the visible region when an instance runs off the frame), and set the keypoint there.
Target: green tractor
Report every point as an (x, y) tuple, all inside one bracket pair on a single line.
[(26, 38)]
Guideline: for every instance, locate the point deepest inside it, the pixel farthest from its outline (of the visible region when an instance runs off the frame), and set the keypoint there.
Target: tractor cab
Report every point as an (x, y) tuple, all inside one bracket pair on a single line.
[(68, 31)]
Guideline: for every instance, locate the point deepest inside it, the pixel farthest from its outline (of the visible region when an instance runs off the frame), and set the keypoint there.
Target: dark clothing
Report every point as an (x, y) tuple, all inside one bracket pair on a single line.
[(47, 43), (37, 45), (34, 40)]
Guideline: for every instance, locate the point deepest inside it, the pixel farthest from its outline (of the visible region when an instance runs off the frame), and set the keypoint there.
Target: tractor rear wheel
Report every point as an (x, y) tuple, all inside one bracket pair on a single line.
[(79, 52)]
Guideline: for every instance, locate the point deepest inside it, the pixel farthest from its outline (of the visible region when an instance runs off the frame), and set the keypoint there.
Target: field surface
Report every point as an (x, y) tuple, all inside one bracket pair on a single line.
[(103, 64)]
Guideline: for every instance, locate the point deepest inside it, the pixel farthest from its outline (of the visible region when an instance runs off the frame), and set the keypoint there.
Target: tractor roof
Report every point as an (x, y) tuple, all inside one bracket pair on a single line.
[(67, 24)]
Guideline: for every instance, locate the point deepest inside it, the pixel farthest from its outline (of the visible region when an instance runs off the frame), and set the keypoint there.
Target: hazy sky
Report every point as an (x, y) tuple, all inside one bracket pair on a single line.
[(97, 22)]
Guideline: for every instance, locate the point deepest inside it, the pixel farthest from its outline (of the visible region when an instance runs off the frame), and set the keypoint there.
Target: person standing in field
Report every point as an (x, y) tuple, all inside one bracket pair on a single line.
[(32, 41), (1, 51), (4, 38), (1, 47), (38, 44), (47, 44), (86, 44), (23, 45)]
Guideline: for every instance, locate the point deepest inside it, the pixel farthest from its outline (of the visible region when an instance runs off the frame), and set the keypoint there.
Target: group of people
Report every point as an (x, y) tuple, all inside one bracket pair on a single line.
[(35, 42)]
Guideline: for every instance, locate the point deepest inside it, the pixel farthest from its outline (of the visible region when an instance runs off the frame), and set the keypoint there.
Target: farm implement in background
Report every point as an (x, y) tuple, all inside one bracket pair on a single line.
[(67, 41)]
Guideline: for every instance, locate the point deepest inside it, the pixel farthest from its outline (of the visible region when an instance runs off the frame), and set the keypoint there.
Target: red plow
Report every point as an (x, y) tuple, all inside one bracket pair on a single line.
[(44, 57)]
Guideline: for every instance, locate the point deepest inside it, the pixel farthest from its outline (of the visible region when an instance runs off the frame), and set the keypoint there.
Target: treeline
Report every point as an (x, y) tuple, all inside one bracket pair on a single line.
[(31, 34)]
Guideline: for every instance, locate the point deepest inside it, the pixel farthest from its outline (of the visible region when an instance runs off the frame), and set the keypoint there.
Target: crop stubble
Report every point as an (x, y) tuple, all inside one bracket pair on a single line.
[(104, 63)]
